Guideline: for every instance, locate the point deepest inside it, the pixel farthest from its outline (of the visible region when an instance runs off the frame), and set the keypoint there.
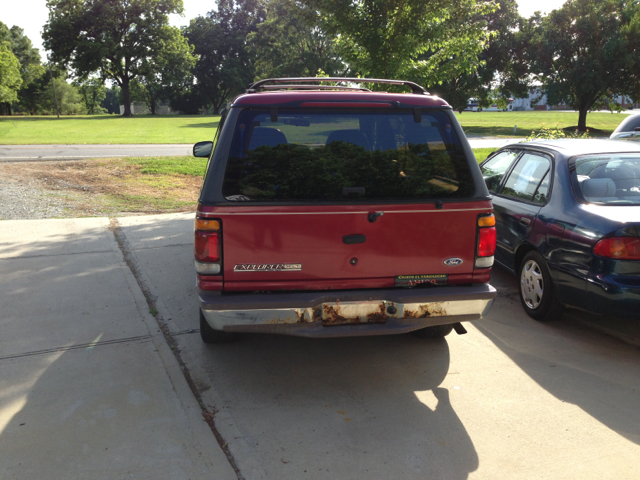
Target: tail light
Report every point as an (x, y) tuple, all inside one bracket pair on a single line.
[(486, 241), (618, 248), (207, 246)]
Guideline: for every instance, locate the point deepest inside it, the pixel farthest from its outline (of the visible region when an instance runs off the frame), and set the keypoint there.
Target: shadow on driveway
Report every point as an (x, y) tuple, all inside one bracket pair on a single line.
[(589, 369), (338, 408)]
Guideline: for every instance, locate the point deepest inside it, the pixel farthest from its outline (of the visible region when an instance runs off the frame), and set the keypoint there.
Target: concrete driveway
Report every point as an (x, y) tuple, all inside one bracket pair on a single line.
[(513, 398), (89, 387)]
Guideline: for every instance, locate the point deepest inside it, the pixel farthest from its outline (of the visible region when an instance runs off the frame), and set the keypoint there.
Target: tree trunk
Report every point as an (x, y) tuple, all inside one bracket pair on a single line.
[(152, 105), (582, 119), (126, 97)]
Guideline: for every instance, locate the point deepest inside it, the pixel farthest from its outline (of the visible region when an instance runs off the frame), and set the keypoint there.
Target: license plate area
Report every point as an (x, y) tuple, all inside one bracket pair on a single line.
[(359, 313)]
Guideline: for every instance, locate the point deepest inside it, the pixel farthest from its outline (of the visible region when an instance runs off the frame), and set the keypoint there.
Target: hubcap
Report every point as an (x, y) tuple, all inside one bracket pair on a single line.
[(531, 284)]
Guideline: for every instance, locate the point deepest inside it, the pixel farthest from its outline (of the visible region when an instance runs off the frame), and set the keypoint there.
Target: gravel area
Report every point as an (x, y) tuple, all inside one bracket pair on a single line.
[(112, 187), (20, 201)]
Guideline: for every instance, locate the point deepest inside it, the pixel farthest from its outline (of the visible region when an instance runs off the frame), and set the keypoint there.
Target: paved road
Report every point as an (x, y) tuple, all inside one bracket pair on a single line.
[(79, 152), (30, 153), (513, 398)]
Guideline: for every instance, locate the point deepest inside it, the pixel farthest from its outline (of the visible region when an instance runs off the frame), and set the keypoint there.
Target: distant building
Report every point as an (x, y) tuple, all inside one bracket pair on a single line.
[(536, 101), (140, 108)]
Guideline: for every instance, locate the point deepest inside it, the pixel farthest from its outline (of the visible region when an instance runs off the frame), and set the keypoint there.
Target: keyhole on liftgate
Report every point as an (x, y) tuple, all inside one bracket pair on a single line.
[(353, 261)]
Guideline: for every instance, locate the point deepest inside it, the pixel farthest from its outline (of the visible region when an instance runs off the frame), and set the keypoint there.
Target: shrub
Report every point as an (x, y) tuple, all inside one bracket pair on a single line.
[(555, 134)]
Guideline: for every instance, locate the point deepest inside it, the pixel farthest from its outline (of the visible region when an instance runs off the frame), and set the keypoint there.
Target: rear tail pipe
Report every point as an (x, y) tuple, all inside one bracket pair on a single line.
[(460, 330)]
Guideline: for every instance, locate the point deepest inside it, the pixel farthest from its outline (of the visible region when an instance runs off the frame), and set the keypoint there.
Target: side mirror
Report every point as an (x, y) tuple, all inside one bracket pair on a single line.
[(202, 149)]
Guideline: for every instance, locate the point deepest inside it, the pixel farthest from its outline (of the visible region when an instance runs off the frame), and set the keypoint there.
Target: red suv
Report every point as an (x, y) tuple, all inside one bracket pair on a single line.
[(332, 210)]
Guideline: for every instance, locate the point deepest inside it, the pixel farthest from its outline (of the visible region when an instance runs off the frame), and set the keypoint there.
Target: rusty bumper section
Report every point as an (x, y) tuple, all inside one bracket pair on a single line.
[(346, 313)]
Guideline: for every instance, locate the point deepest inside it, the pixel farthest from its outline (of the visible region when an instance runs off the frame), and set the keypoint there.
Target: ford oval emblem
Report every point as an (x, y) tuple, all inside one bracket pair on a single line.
[(452, 262)]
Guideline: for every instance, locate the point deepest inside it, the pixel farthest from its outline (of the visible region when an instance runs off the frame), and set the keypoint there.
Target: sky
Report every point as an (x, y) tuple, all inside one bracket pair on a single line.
[(31, 15)]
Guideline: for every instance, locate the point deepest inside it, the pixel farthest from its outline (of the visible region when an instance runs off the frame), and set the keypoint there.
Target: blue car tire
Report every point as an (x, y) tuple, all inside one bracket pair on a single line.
[(536, 289)]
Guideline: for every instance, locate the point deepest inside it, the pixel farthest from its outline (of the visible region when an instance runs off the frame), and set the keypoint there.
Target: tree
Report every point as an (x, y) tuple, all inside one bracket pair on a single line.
[(10, 79), (33, 73), (580, 53), (30, 62), (112, 37), (500, 73), (413, 39), (93, 92), (31, 69), (189, 102), (70, 101), (30, 97), (167, 74), (111, 102), (224, 66), (289, 43), (631, 32)]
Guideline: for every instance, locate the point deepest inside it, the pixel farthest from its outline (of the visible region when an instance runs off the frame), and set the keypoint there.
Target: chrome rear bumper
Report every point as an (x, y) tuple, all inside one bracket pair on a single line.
[(346, 313)]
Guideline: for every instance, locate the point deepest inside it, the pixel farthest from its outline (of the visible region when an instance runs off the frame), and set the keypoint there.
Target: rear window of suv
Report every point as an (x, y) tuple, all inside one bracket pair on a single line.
[(381, 154), (606, 179)]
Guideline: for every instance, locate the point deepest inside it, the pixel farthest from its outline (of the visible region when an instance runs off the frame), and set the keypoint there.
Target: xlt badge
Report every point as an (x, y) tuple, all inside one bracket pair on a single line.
[(268, 267)]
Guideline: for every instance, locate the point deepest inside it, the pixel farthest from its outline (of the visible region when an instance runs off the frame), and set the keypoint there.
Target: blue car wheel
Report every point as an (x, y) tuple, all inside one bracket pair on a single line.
[(536, 289)]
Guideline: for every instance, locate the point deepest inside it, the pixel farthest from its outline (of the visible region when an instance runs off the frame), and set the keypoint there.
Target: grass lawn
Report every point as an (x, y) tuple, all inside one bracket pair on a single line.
[(114, 129), (482, 153), (107, 129), (500, 124)]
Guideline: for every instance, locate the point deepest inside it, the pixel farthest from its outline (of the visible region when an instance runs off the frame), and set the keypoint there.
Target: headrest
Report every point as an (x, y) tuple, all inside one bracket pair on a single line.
[(355, 137), (598, 187), (266, 136)]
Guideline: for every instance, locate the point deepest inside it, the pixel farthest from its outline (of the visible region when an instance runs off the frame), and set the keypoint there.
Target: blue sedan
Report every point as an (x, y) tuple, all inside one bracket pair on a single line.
[(568, 224)]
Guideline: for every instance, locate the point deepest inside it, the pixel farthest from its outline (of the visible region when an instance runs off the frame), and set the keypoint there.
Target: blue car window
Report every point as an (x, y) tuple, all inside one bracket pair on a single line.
[(542, 193), (526, 177), (606, 179), (494, 169)]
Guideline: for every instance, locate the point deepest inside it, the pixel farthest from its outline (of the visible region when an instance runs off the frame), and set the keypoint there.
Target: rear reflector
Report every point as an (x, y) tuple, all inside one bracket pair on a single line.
[(619, 248), (206, 246), (487, 242), (207, 225), (487, 221)]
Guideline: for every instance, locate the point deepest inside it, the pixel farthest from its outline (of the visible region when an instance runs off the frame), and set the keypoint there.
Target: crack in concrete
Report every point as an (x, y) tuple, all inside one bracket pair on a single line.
[(132, 263), (20, 257), (163, 246), (76, 347), (185, 332)]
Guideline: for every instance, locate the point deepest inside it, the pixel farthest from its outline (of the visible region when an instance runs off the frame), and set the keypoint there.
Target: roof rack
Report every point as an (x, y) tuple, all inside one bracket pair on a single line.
[(262, 84), (312, 87)]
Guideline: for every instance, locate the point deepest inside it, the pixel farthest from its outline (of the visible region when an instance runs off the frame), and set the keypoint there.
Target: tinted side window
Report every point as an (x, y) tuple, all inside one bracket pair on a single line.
[(494, 169), (527, 176), (215, 142)]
